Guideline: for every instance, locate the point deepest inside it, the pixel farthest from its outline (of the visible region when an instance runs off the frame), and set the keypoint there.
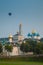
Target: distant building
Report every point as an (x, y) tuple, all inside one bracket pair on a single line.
[(13, 39), (18, 37), (10, 38), (34, 35)]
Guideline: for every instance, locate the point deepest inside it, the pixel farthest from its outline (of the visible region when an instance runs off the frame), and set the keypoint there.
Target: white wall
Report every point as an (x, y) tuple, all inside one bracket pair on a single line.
[(14, 51)]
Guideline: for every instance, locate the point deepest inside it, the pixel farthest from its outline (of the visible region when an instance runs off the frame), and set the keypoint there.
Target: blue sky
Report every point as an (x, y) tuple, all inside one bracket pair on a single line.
[(27, 12)]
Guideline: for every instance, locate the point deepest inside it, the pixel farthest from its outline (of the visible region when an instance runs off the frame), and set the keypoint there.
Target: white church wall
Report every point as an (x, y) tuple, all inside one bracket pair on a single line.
[(14, 51)]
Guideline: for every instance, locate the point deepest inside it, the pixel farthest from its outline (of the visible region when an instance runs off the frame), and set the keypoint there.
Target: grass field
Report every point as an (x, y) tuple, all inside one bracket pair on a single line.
[(21, 60), (20, 63)]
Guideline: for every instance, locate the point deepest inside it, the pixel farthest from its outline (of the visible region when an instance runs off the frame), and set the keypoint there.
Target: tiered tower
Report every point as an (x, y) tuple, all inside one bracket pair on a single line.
[(20, 29)]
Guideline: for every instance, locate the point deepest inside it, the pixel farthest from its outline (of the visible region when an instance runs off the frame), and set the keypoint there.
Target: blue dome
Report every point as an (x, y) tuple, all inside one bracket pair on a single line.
[(29, 34), (34, 34), (38, 34)]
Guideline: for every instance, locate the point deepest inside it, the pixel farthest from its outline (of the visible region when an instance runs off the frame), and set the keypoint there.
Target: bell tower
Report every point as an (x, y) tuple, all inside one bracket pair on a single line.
[(20, 28)]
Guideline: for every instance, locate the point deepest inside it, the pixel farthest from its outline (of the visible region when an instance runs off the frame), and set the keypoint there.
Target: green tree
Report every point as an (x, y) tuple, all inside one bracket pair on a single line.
[(32, 44), (39, 48), (24, 47), (9, 47), (1, 48)]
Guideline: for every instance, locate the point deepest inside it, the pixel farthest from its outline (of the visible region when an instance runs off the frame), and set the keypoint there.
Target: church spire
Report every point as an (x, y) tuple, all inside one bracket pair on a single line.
[(20, 28)]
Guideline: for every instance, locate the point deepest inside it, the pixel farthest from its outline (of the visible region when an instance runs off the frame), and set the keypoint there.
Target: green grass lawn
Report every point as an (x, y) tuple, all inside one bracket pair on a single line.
[(22, 60), (20, 63)]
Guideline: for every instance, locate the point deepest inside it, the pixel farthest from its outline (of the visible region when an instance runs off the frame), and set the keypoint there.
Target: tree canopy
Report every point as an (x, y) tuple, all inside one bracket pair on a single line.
[(32, 46)]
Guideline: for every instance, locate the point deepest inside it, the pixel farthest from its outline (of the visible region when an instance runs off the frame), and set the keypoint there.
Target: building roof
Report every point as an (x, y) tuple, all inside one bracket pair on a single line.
[(4, 39), (17, 35)]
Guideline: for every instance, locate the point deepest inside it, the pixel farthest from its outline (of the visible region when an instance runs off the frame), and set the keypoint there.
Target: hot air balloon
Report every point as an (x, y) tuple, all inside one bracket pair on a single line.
[(9, 13)]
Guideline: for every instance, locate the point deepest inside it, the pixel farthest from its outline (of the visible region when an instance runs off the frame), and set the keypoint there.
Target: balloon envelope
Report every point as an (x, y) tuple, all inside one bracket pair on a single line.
[(9, 13)]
